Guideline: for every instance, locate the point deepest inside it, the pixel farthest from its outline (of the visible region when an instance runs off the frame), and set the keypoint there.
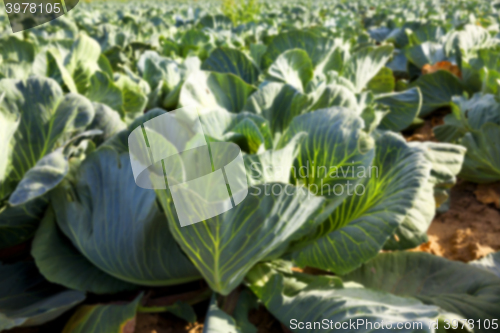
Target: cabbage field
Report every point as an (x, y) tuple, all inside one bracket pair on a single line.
[(357, 121)]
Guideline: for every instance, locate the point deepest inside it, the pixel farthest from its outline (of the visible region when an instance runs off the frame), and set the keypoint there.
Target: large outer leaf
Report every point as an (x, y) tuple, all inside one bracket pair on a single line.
[(294, 298), (47, 119), (9, 121), (224, 248), (453, 286), (117, 225), (404, 108), (113, 318), (446, 161), (365, 64), (60, 262), (226, 60), (27, 299), (44, 176), (490, 263), (210, 90), (19, 223), (335, 141), (359, 227), (482, 161), (437, 90), (292, 67)]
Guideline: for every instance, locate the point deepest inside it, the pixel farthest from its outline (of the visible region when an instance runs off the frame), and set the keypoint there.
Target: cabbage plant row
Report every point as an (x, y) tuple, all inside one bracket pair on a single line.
[(316, 95)]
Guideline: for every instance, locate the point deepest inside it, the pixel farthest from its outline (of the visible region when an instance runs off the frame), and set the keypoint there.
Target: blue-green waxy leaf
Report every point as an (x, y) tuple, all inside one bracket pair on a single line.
[(9, 121), (250, 131), (218, 321), (468, 115), (453, 286), (60, 262), (27, 299), (318, 48), (256, 52), (134, 99), (404, 108), (334, 95), (273, 165), (226, 60), (426, 53), (47, 119), (196, 43), (165, 78), (44, 176), (299, 301), (482, 161), (437, 90), (217, 22), (57, 71), (112, 318), (333, 143), (474, 123), (469, 40), (446, 161), (17, 57), (359, 227), (19, 223), (106, 120), (103, 90), (224, 248), (117, 225), (277, 102), (82, 61), (122, 95), (364, 65), (293, 67), (491, 263), (210, 90), (428, 32)]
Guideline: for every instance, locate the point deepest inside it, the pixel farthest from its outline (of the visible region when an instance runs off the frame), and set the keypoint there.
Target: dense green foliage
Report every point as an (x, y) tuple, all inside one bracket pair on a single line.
[(326, 87)]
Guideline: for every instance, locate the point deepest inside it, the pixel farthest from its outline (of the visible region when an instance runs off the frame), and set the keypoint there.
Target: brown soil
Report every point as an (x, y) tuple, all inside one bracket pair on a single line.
[(164, 323), (424, 132), (265, 322), (167, 323), (470, 229)]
